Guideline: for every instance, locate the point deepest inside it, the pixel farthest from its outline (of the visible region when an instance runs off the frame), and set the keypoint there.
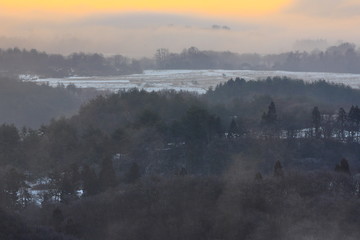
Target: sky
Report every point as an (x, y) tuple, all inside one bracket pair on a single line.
[(137, 28)]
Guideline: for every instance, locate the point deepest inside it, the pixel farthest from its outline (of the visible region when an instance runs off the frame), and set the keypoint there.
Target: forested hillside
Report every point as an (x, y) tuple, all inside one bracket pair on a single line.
[(277, 87), (342, 58), (165, 131), (247, 160), (14, 62)]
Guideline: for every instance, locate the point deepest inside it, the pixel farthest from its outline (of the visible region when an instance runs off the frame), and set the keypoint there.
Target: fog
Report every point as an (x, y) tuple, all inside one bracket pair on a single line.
[(261, 155), (326, 8), (138, 34)]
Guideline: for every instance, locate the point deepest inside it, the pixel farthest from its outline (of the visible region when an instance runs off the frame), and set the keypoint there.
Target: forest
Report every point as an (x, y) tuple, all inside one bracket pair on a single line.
[(341, 58), (276, 158), (14, 61)]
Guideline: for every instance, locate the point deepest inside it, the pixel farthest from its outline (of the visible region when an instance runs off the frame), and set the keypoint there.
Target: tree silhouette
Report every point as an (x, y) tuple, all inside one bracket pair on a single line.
[(233, 129), (354, 120), (316, 121), (341, 121), (278, 170), (270, 120), (271, 115), (15, 189), (343, 166)]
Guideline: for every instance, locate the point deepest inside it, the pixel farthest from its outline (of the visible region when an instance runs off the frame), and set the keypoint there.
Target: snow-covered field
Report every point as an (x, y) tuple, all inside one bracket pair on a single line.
[(188, 80)]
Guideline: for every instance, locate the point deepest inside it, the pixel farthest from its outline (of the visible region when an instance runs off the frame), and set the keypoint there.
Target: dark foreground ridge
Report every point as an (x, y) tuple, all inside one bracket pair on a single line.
[(271, 159)]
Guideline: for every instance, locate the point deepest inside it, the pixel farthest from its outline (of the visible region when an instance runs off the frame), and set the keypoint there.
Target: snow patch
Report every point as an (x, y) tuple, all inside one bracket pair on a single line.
[(188, 80)]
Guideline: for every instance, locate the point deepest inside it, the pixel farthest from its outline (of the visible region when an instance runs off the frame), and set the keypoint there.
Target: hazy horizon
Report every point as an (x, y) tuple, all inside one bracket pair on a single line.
[(137, 29)]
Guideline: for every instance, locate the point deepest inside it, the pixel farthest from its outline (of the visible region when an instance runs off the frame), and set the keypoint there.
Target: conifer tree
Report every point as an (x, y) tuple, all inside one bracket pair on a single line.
[(343, 166), (278, 170), (233, 129), (271, 115), (316, 120), (341, 121), (269, 120), (354, 119)]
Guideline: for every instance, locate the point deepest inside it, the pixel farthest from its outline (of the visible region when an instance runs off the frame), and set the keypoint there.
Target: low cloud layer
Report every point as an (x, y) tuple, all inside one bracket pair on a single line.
[(327, 8), (140, 34), (136, 35)]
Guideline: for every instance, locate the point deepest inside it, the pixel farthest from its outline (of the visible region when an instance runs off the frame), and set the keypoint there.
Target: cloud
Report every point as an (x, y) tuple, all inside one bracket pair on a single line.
[(326, 8), (140, 20), (139, 42), (132, 34), (219, 27), (140, 34), (152, 20)]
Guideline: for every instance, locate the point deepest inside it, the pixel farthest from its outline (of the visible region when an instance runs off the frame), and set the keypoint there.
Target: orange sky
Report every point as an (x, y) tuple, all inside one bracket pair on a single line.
[(223, 8), (138, 27)]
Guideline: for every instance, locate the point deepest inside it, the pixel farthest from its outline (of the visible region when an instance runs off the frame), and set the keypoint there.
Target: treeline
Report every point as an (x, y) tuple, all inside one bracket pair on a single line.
[(294, 98), (343, 58), (167, 131), (283, 87), (14, 61), (193, 58)]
